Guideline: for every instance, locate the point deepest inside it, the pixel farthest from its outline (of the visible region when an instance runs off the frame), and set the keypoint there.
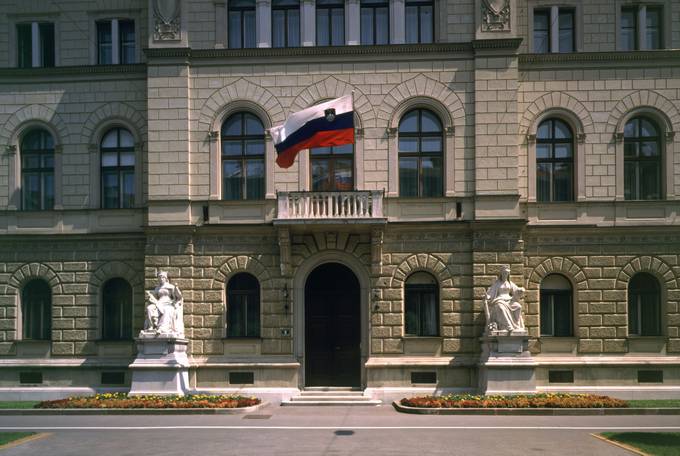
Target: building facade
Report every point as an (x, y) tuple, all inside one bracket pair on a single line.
[(532, 133)]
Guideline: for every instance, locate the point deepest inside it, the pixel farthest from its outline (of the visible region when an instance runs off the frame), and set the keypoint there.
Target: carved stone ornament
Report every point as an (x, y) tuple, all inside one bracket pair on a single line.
[(495, 15), (166, 20)]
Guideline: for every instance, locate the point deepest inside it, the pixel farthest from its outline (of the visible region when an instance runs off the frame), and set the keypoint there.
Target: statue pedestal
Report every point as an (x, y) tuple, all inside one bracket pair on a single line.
[(506, 366), (161, 366)]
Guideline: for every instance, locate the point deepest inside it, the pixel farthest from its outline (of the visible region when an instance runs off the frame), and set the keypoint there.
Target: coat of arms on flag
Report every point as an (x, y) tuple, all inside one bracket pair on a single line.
[(327, 124)]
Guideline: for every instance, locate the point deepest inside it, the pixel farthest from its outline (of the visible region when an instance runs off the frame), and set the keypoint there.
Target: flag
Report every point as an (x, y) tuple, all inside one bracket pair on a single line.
[(327, 124)]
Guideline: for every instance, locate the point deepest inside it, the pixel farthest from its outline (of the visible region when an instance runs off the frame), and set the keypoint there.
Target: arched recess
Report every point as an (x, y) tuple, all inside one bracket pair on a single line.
[(25, 274), (117, 269), (364, 115), (102, 120), (568, 109), (299, 280), (19, 123), (241, 95), (424, 92), (667, 117), (422, 262)]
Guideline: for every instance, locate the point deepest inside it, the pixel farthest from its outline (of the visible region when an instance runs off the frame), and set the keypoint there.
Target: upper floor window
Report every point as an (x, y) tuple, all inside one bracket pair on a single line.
[(36, 310), (641, 28), (554, 161), (242, 24), (35, 45), (419, 21), (330, 23), (118, 169), (37, 170), (115, 41), (420, 154), (556, 306), (285, 23), (243, 306), (644, 305), (242, 157), (375, 22), (421, 296), (642, 160), (332, 168), (117, 310), (554, 30)]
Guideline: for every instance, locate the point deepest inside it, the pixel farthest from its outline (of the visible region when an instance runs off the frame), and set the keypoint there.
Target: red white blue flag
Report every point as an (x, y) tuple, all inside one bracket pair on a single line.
[(326, 124)]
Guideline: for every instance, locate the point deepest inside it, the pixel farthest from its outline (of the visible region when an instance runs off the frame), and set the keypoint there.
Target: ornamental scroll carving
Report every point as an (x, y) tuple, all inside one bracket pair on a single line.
[(495, 15), (166, 20)]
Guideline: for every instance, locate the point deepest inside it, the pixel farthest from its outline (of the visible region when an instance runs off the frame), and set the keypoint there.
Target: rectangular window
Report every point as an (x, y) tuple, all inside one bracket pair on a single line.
[(556, 313), (629, 29), (653, 28), (426, 378), (375, 22), (542, 31), (241, 378), (35, 45), (650, 376), (419, 21), (242, 26), (285, 23), (566, 37), (633, 18), (422, 318), (115, 42), (560, 376), (560, 33), (330, 23)]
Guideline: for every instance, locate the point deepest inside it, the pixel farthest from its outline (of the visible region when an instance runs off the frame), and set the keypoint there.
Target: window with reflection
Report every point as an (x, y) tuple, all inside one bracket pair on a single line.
[(242, 24), (36, 310), (285, 23), (632, 18), (375, 22), (420, 154), (554, 161), (117, 310), (37, 170), (421, 295), (644, 305), (330, 23), (556, 306), (122, 51), (563, 33), (332, 168), (243, 306), (642, 160), (118, 169), (419, 21), (243, 152)]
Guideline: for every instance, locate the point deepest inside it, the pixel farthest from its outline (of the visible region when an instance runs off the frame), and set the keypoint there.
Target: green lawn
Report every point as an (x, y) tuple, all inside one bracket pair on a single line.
[(17, 404), (653, 403), (7, 437), (653, 443)]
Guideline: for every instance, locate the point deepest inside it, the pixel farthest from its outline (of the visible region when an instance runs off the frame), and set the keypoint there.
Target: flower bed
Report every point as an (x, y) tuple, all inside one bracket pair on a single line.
[(122, 400), (515, 401)]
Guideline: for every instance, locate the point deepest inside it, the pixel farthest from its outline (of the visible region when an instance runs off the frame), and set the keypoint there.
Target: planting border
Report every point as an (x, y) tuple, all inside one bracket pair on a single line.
[(534, 411), (134, 411)]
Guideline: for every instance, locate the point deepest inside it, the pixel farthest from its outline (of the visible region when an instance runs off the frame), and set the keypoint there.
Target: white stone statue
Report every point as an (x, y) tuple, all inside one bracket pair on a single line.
[(164, 314), (503, 306)]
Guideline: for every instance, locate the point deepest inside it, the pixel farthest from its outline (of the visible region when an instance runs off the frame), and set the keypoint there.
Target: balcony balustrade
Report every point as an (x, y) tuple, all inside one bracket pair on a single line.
[(330, 206)]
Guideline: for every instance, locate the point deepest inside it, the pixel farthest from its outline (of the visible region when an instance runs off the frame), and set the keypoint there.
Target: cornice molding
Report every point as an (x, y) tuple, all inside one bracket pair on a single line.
[(667, 56), (72, 70), (503, 43)]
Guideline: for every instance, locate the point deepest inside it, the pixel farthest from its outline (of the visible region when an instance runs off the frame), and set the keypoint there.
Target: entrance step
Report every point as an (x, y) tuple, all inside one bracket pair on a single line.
[(321, 396)]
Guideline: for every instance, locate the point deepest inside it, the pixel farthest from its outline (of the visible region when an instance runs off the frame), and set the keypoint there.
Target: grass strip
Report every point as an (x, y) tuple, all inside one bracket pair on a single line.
[(652, 443), (8, 437), (17, 404), (655, 403)]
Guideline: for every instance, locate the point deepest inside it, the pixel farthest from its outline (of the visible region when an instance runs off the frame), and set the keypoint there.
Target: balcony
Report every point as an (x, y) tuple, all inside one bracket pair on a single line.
[(330, 207)]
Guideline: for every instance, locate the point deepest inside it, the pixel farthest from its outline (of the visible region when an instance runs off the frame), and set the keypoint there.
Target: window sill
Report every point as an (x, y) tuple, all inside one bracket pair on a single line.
[(413, 337), (243, 338)]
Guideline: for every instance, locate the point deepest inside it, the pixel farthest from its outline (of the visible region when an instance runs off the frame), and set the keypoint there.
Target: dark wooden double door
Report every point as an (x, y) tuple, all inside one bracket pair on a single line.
[(332, 327)]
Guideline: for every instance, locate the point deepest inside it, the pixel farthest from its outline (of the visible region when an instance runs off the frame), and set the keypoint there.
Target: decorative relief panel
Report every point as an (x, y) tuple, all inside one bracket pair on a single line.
[(495, 15), (166, 20)]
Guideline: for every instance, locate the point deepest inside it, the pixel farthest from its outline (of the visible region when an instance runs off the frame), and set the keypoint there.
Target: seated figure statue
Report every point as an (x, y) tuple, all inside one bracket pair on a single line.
[(164, 315), (503, 305)]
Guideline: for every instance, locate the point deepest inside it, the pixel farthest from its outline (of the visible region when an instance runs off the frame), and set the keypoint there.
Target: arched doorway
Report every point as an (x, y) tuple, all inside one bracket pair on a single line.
[(332, 327)]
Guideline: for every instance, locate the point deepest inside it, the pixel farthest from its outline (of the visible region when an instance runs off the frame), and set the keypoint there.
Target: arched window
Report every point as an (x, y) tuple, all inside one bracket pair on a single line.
[(644, 305), (642, 160), (422, 305), (36, 310), (242, 157), (420, 154), (118, 169), (332, 168), (37, 170), (117, 310), (554, 161), (556, 306), (243, 306)]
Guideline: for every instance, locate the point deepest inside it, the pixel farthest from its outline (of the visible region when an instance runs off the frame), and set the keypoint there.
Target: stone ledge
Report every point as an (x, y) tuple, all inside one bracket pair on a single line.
[(535, 411)]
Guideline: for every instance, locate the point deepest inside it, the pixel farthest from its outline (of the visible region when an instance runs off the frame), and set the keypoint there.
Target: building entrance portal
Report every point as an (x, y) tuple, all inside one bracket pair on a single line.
[(332, 327)]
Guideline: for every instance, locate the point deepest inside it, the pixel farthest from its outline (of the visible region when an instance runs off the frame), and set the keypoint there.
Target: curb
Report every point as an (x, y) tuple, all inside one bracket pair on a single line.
[(140, 411), (619, 444), (535, 411), (21, 441)]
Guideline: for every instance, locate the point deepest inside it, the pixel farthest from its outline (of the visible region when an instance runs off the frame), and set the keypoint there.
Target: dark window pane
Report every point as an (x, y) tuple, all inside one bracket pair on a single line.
[(409, 123), (654, 28), (407, 145), (231, 176), (338, 26), (563, 178), (117, 310), (411, 24), (293, 28), (48, 191), (562, 130), (110, 189), (647, 129), (36, 310), (367, 30), (104, 46), (426, 24), (543, 172), (429, 123), (249, 29), (544, 130), (432, 176), (278, 28), (320, 175), (547, 317), (650, 181), (243, 306), (408, 176), (24, 47), (563, 150), (235, 30), (128, 189), (322, 27), (255, 179), (231, 148), (644, 305), (541, 31), (566, 30), (628, 29), (382, 26), (47, 44), (126, 31), (422, 309)]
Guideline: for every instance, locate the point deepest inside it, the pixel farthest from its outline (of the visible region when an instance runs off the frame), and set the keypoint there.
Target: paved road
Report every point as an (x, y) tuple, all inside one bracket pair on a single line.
[(312, 431)]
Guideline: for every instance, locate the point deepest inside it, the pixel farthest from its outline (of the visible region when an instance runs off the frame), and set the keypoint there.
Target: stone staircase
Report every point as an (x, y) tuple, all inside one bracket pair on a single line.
[(325, 396)]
